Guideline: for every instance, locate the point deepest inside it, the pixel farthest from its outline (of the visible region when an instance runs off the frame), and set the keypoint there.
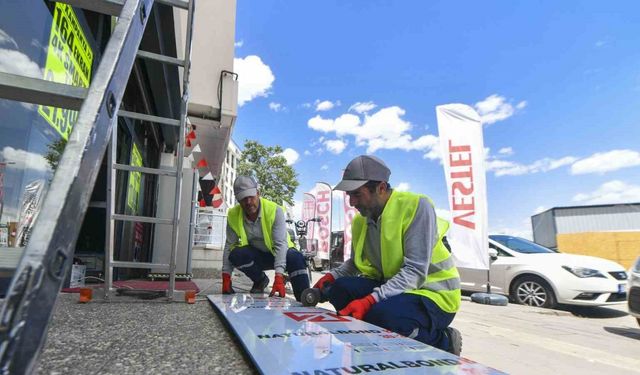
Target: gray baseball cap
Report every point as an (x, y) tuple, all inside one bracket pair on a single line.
[(362, 169), (245, 186)]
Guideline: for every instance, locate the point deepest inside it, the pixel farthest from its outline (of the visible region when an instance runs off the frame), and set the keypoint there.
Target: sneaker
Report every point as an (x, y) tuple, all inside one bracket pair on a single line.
[(260, 285), (455, 341)]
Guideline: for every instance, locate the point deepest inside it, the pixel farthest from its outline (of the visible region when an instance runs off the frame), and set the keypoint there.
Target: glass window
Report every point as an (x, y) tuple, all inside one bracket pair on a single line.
[(520, 245), (45, 40)]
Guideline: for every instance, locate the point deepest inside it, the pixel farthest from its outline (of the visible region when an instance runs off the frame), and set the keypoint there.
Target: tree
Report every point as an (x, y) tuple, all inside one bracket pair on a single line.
[(278, 181)]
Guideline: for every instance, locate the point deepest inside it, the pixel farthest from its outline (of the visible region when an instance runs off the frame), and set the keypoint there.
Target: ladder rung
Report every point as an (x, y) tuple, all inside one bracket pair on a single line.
[(142, 219), (150, 118), (40, 91), (184, 4), (120, 264), (110, 7), (158, 171), (160, 58)]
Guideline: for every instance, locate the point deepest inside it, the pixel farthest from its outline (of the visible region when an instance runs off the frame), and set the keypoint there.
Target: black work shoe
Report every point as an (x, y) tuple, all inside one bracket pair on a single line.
[(455, 341), (260, 285)]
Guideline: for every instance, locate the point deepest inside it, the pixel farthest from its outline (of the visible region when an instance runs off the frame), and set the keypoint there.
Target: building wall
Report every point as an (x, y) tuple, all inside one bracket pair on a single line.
[(229, 173), (620, 247), (620, 217), (544, 231)]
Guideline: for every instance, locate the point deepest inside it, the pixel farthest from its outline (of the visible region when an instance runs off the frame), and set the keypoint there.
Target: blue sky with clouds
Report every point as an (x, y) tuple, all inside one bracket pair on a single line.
[(557, 85)]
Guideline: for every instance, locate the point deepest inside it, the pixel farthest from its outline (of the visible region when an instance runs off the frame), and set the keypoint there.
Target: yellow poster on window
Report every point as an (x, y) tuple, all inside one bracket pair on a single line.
[(135, 178), (69, 61)]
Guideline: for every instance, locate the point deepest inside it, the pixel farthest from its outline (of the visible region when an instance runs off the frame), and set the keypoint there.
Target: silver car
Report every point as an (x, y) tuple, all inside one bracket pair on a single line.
[(633, 295)]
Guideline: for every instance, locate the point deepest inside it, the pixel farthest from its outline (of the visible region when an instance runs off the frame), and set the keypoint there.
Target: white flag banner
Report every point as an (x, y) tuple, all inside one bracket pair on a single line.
[(309, 212), (323, 211), (460, 132), (349, 213)]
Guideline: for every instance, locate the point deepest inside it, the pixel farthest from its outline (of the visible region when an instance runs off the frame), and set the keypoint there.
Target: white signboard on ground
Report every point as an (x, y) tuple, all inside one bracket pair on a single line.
[(283, 337)]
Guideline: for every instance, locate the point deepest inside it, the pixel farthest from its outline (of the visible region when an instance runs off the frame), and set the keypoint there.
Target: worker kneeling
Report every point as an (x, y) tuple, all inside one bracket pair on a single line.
[(401, 276), (257, 240)]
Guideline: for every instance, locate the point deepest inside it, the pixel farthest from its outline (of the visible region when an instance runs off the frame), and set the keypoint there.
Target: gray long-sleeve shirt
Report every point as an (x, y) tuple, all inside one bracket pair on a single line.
[(256, 240), (418, 240)]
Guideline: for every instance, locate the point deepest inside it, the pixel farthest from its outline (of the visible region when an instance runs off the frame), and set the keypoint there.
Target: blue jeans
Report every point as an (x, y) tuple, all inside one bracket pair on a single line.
[(252, 262), (407, 314)]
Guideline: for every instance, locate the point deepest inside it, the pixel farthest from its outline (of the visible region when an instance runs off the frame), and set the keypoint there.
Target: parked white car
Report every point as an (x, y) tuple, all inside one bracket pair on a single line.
[(633, 299), (534, 275)]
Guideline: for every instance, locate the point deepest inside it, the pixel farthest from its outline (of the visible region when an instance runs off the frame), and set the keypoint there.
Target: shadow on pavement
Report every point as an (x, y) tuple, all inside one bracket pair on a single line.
[(632, 333), (599, 312)]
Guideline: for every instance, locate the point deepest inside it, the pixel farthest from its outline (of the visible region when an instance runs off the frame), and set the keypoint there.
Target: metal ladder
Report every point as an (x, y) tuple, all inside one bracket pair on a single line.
[(29, 304)]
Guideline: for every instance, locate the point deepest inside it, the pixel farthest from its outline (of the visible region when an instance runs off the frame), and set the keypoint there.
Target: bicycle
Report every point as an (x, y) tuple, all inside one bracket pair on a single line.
[(308, 248)]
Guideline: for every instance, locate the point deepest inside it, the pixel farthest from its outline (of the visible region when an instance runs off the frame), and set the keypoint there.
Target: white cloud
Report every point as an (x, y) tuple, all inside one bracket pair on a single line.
[(602, 162), (505, 151), (403, 186), (522, 232), (291, 155), (254, 78), (307, 152), (385, 129), (307, 105), (16, 62), (276, 107), (600, 43), (615, 191), (361, 107), (325, 105), (5, 38), (324, 167), (22, 159), (335, 146), (238, 44), (496, 108), (510, 168), (539, 209)]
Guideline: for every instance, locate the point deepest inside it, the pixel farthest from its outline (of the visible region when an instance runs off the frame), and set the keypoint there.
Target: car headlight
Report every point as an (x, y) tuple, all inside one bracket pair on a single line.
[(584, 272)]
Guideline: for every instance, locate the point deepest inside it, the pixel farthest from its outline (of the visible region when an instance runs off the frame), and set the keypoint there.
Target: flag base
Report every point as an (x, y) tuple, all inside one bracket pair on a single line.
[(490, 299)]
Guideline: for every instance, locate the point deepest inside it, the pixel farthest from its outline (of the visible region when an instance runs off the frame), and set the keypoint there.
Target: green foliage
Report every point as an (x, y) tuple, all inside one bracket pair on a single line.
[(54, 153), (278, 181)]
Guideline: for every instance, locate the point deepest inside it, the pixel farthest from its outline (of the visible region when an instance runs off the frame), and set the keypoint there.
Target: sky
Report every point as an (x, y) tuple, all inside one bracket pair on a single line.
[(557, 86)]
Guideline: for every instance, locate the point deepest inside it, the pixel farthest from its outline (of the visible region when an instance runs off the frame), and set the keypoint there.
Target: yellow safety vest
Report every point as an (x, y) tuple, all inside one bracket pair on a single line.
[(235, 218), (442, 284)]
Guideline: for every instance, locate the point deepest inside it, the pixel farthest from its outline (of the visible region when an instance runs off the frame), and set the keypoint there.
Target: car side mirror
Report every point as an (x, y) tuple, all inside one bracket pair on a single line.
[(493, 254)]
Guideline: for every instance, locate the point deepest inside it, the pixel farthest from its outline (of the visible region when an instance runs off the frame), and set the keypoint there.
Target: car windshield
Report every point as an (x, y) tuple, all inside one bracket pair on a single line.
[(521, 245)]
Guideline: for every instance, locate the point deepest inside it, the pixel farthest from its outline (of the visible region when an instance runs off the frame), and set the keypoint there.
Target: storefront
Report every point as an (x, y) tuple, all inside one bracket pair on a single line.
[(57, 42)]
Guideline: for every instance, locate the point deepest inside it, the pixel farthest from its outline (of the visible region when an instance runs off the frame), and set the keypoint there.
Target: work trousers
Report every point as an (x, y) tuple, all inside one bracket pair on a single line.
[(252, 262), (407, 314)]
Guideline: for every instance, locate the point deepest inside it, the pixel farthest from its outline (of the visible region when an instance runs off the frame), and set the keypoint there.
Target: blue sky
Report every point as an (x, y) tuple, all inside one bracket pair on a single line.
[(556, 83)]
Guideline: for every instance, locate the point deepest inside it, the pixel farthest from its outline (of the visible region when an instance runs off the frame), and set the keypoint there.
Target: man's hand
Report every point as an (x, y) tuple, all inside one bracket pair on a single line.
[(359, 308), (278, 286), (226, 284), (328, 278)]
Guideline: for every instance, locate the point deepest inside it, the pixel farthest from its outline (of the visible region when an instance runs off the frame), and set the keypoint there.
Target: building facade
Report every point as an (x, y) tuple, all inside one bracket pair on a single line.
[(58, 42), (609, 231), (229, 174)]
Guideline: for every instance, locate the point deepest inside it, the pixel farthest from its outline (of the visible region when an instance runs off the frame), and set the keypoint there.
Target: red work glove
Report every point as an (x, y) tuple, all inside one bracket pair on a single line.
[(278, 286), (226, 284), (328, 278), (359, 308)]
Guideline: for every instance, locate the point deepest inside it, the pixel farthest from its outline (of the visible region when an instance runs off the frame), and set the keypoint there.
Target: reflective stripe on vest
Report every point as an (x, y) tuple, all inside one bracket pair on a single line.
[(268, 210), (442, 284)]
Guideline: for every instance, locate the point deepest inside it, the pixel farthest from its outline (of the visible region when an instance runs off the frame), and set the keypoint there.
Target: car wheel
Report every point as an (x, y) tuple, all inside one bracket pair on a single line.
[(533, 291)]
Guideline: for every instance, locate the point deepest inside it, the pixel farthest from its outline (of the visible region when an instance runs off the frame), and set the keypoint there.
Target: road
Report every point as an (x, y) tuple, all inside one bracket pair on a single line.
[(175, 338)]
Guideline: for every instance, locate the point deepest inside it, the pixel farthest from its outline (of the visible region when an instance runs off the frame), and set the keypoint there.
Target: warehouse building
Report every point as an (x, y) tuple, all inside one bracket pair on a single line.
[(610, 231)]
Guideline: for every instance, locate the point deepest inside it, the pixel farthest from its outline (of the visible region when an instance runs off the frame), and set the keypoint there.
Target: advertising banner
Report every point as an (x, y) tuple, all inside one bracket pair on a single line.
[(309, 212), (460, 132), (323, 211), (349, 213), (69, 61)]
